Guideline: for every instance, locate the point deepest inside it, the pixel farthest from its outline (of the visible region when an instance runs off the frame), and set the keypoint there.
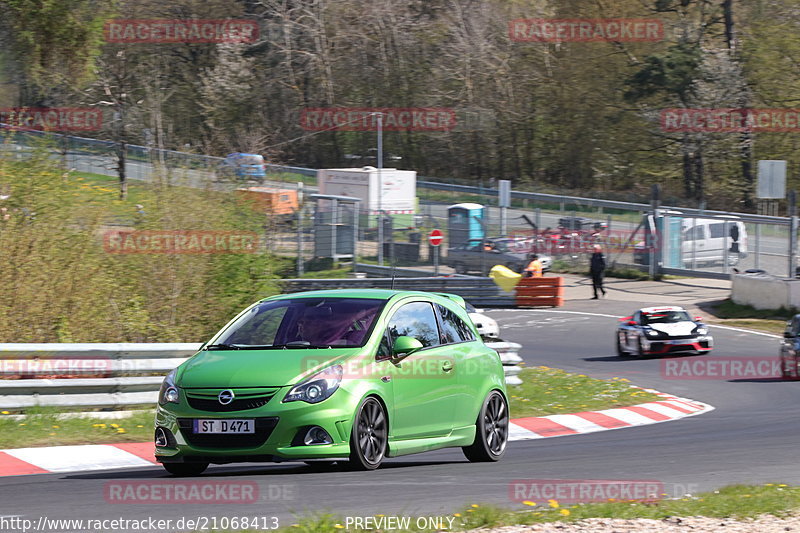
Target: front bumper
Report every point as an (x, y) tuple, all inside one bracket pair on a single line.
[(279, 431), (697, 343)]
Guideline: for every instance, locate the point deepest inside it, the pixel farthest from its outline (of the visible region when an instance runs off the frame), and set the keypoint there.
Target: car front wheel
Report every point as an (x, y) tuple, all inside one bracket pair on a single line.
[(620, 351), (369, 438), (491, 430)]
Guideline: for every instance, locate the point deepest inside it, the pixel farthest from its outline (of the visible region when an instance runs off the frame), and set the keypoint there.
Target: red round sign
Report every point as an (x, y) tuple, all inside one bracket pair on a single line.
[(435, 238)]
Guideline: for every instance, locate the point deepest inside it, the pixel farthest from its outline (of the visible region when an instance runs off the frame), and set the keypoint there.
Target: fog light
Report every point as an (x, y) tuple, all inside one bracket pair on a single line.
[(162, 440), (317, 435)]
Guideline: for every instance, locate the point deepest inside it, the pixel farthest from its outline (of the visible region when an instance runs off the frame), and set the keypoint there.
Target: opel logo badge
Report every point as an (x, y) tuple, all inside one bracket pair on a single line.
[(225, 397)]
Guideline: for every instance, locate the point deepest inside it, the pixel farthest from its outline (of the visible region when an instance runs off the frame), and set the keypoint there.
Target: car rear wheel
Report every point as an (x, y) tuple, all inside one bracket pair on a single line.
[(491, 430), (639, 347), (185, 469), (369, 438)]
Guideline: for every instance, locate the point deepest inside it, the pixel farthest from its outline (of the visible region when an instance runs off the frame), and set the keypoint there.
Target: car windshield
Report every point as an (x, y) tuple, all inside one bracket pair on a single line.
[(250, 160), (303, 322), (665, 317)]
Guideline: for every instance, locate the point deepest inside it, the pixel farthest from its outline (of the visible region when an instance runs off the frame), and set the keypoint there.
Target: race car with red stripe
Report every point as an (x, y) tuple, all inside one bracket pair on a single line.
[(662, 330)]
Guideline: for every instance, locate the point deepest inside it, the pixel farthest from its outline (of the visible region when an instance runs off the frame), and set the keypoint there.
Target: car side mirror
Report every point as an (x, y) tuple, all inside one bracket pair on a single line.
[(788, 335), (404, 345)]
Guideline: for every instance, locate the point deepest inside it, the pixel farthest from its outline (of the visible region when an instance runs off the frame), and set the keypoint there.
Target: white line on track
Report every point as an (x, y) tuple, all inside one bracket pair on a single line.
[(731, 328)]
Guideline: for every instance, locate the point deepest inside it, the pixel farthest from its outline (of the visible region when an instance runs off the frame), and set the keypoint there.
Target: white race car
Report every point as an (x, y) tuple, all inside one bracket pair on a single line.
[(487, 326), (662, 330)]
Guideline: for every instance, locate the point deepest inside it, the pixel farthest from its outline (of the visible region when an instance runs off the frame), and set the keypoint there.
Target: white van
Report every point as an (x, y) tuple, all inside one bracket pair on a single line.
[(711, 240), (703, 241)]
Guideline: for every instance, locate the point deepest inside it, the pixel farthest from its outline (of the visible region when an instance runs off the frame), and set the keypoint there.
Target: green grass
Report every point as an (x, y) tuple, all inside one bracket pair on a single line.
[(549, 391), (736, 502), (745, 316), (565, 267), (42, 427)]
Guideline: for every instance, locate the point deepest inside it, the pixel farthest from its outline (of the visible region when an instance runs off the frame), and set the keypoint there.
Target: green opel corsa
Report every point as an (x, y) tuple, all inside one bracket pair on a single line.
[(354, 375)]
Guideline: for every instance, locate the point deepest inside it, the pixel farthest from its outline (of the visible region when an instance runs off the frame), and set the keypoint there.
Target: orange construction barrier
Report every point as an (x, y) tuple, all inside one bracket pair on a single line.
[(540, 292)]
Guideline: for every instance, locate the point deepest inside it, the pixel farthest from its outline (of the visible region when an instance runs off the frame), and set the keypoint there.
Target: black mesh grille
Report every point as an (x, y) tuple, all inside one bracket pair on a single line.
[(238, 404), (264, 427)]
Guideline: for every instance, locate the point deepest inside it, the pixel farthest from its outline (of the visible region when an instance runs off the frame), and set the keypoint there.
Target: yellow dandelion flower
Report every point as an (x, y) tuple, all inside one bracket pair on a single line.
[(528, 502), (553, 504), (114, 426), (564, 512), (783, 485), (5, 412), (456, 514), (56, 427), (338, 526), (474, 505)]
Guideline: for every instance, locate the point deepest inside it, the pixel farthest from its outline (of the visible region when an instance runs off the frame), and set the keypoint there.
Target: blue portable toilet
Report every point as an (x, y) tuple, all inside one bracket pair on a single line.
[(464, 223)]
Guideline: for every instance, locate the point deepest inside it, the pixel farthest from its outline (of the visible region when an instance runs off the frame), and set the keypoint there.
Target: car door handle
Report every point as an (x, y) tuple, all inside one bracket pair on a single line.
[(447, 367), (386, 379)]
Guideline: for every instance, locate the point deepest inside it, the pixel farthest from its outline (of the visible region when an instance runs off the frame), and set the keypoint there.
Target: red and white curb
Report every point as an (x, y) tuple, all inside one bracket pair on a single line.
[(671, 408), (65, 459)]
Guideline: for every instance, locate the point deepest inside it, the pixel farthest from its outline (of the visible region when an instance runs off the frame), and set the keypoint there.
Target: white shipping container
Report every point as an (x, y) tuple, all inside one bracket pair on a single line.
[(397, 195)]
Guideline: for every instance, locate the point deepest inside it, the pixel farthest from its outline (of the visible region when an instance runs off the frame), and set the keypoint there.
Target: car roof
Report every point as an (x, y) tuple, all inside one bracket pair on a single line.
[(661, 308), (375, 294)]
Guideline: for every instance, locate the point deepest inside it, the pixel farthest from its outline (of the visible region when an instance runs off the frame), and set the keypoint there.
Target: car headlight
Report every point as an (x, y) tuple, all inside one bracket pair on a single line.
[(701, 330), (652, 333), (318, 387), (169, 392)]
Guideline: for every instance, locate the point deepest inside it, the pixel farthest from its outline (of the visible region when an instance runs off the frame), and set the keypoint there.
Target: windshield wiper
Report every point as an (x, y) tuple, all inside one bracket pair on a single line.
[(305, 344), (221, 346)]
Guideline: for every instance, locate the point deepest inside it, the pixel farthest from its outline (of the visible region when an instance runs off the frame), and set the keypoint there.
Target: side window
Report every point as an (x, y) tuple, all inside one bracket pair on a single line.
[(696, 233), (795, 327), (637, 317), (416, 320), (453, 328), (717, 230)]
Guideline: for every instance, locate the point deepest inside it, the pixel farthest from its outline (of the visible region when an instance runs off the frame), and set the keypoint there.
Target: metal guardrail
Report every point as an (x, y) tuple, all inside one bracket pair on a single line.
[(476, 290), (126, 370), (116, 391)]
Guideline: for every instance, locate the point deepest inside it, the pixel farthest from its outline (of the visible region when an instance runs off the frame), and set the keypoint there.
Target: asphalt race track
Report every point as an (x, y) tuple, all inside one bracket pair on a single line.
[(752, 437)]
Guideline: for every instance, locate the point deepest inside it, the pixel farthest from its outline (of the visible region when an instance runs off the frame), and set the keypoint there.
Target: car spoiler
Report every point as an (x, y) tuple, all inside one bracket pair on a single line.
[(455, 297)]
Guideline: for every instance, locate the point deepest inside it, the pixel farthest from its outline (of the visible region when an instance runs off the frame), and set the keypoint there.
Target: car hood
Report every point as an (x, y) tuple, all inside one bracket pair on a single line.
[(677, 328), (255, 368)]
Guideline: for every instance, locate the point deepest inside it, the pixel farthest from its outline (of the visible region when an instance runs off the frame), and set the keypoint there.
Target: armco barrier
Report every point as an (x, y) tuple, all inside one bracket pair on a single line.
[(540, 292), (130, 367)]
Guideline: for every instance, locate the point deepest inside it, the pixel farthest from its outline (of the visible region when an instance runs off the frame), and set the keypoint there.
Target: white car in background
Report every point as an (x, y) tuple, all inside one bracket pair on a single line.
[(487, 326)]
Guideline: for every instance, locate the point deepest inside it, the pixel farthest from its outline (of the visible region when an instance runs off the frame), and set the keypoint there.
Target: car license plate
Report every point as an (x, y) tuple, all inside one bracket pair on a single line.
[(224, 426)]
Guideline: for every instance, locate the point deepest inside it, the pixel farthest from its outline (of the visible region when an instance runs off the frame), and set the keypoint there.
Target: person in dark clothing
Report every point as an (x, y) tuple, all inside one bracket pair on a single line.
[(597, 267)]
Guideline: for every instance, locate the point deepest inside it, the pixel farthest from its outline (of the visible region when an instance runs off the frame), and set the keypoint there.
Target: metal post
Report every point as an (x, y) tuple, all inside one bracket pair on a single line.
[(792, 208), (655, 202), (380, 188), (334, 221), (355, 236), (758, 245), (503, 222), (435, 260), (725, 237), (300, 263)]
